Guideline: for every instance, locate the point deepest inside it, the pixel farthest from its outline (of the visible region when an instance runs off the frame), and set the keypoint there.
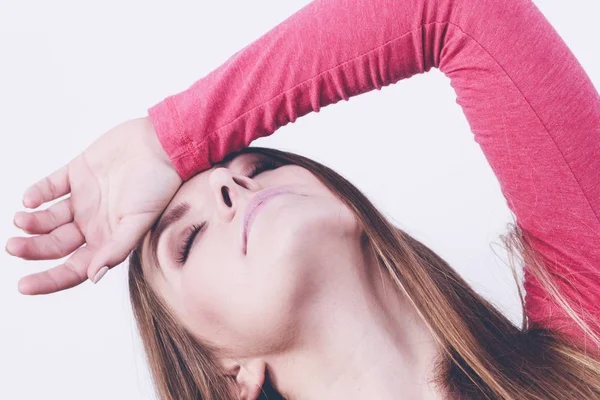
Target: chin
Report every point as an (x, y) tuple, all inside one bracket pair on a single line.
[(293, 249), (294, 227), (297, 241)]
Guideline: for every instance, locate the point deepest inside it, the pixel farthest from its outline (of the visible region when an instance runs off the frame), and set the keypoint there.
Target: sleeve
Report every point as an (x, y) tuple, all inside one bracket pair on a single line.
[(530, 106)]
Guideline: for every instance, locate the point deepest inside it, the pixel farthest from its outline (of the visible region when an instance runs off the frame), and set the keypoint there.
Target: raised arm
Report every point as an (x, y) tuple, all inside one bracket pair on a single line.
[(531, 107)]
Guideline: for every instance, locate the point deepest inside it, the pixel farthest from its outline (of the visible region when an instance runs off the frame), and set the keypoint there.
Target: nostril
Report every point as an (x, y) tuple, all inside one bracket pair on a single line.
[(225, 193)]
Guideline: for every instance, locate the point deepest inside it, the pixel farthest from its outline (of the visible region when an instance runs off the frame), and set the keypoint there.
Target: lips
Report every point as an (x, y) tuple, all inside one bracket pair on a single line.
[(253, 207)]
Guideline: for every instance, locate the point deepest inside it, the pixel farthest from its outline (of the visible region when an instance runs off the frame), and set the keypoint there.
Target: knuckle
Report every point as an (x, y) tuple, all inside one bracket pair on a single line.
[(52, 220), (73, 268), (55, 246), (50, 186)]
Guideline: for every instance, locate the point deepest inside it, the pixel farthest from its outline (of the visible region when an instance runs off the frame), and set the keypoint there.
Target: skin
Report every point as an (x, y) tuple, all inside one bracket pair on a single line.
[(305, 303), (117, 188)]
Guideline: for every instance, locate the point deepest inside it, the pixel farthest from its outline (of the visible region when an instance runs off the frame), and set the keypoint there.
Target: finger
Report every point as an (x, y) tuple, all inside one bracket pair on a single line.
[(64, 276), (49, 188), (59, 243), (45, 221), (123, 240)]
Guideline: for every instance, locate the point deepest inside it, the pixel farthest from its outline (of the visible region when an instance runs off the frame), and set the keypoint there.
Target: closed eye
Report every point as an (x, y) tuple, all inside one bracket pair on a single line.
[(261, 166), (184, 250)]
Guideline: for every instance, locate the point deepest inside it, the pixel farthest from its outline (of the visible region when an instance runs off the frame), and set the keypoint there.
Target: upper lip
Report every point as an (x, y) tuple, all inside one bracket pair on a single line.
[(252, 206)]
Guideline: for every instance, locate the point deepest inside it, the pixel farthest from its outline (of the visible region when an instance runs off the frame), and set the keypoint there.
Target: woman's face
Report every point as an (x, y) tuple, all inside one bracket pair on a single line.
[(248, 303)]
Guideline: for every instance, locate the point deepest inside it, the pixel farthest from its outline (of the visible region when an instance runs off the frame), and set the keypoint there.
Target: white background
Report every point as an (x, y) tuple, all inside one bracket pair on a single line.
[(70, 70)]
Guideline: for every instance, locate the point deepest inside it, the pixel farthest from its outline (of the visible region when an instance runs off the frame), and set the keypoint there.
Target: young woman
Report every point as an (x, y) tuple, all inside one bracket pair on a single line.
[(266, 270)]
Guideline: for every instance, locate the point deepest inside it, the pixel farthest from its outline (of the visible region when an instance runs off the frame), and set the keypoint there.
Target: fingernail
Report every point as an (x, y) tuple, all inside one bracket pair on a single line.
[(100, 274), (15, 220), (6, 248)]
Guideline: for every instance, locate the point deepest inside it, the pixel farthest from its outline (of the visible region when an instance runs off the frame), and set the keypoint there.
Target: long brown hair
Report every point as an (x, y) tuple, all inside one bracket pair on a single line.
[(483, 354)]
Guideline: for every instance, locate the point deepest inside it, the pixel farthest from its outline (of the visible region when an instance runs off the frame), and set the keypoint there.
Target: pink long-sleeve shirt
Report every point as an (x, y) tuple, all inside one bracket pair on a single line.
[(530, 105)]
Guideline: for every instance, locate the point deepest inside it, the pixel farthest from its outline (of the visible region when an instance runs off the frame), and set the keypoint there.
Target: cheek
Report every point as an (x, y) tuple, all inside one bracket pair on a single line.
[(234, 304), (221, 296), (205, 292)]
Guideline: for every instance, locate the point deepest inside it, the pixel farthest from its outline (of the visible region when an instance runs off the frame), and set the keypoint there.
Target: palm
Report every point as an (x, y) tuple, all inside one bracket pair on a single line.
[(118, 187)]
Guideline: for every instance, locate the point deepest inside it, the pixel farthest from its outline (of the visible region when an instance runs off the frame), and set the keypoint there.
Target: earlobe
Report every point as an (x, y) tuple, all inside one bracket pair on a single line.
[(231, 367), (250, 378)]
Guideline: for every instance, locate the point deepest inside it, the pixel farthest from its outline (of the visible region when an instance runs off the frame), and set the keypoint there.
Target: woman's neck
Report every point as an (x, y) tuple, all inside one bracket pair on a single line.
[(362, 339)]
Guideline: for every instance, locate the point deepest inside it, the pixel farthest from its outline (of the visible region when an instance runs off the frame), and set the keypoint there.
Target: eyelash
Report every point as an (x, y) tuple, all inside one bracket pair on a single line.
[(261, 166), (184, 250)]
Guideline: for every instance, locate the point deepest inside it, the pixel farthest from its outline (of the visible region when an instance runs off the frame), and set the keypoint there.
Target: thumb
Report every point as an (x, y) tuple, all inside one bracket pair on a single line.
[(122, 242)]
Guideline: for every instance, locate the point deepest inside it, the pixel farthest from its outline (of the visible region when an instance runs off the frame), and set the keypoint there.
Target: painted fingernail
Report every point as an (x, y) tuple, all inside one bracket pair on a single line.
[(100, 274)]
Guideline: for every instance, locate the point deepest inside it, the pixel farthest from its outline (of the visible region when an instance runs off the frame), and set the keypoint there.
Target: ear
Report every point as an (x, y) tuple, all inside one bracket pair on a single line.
[(249, 376)]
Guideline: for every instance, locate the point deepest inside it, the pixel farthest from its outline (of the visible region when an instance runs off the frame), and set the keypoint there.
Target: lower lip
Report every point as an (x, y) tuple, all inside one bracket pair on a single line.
[(255, 213)]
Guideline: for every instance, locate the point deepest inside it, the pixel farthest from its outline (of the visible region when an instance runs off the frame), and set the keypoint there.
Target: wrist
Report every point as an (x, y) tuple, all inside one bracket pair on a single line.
[(150, 138)]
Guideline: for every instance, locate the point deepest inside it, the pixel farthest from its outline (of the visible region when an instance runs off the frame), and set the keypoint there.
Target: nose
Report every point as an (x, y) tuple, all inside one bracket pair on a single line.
[(231, 191)]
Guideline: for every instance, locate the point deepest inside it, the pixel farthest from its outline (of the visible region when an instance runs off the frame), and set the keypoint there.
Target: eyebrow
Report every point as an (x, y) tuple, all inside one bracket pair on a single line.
[(168, 219), (172, 216)]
